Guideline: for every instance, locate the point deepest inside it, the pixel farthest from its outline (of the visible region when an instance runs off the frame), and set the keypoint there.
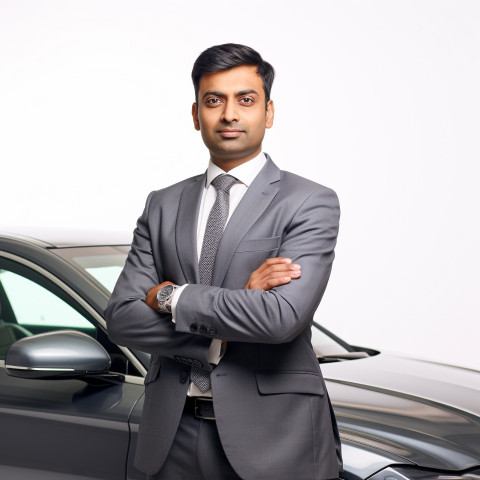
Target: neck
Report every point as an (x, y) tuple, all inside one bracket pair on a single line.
[(227, 164)]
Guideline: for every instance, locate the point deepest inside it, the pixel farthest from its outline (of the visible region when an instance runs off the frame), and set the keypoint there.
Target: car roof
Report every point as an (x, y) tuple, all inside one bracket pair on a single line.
[(49, 237)]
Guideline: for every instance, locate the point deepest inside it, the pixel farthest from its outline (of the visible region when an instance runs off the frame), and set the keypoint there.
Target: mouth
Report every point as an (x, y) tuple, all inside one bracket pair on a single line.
[(230, 132)]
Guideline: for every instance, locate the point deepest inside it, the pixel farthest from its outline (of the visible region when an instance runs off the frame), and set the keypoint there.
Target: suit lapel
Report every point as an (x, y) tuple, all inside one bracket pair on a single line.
[(255, 201), (186, 228)]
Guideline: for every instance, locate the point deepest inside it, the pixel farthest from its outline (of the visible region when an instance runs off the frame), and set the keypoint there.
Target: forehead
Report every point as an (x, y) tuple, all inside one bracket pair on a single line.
[(233, 80)]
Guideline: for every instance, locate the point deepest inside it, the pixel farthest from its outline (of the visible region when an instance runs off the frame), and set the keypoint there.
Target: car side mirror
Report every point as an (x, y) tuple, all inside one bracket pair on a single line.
[(61, 354)]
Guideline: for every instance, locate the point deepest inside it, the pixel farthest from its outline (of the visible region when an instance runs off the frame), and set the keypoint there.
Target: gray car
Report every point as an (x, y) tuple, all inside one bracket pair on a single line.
[(71, 400)]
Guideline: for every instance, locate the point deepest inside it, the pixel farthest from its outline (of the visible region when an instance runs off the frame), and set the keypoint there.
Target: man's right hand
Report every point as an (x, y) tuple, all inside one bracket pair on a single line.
[(272, 273), (151, 299)]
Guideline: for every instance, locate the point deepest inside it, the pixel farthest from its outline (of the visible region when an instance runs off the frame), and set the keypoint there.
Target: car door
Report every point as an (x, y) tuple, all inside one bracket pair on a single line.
[(60, 428)]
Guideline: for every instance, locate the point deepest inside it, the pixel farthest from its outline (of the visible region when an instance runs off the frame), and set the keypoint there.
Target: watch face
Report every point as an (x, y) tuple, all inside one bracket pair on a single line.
[(164, 293)]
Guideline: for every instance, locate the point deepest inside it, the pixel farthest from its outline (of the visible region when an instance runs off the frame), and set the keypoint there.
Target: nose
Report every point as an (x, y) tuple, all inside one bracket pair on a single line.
[(230, 112)]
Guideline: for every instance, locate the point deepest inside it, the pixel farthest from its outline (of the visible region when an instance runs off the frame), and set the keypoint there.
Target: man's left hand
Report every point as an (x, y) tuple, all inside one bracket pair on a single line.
[(272, 273)]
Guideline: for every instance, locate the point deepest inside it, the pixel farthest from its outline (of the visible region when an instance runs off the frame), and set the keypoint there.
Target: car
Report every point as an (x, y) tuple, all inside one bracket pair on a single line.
[(71, 400)]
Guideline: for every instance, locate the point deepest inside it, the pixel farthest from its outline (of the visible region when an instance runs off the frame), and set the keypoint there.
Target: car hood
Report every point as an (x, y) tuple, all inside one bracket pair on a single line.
[(392, 410)]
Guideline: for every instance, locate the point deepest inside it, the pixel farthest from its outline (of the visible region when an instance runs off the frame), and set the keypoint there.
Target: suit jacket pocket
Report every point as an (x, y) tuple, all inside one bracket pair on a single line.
[(258, 244), (270, 383)]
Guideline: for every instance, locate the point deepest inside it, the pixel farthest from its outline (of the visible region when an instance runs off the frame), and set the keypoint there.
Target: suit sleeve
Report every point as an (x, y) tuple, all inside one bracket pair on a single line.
[(131, 322), (282, 313)]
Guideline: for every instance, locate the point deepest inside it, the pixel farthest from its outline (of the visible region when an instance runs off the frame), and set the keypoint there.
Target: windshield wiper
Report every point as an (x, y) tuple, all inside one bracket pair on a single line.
[(338, 357)]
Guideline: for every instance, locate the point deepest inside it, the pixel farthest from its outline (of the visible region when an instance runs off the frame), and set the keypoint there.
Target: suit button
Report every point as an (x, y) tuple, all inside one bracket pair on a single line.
[(193, 327), (203, 330), (183, 376), (212, 331)]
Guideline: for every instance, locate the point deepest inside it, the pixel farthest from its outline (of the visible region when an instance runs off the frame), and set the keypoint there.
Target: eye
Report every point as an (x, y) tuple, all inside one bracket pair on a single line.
[(213, 101), (247, 100)]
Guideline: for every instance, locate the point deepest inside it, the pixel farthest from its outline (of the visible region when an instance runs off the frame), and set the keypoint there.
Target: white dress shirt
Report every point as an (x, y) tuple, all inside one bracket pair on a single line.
[(245, 174)]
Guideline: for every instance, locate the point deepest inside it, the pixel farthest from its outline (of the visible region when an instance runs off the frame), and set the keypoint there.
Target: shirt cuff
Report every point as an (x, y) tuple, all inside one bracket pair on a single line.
[(175, 298)]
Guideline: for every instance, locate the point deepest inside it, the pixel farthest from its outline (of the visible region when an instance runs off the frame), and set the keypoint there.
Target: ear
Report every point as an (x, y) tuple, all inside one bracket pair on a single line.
[(270, 114), (196, 123)]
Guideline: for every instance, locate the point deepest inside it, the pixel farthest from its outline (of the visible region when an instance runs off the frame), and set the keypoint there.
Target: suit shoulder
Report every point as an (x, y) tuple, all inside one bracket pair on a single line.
[(293, 183)]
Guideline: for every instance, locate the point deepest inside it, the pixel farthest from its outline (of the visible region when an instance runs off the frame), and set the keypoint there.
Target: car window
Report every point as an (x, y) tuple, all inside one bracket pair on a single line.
[(27, 307), (31, 303), (103, 263), (34, 305)]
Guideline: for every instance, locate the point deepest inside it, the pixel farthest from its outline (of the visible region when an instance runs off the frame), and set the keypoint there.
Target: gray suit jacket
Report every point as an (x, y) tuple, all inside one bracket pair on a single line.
[(273, 413)]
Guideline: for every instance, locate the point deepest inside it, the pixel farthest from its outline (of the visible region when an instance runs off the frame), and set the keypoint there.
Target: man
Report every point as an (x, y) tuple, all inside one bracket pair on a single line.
[(224, 275)]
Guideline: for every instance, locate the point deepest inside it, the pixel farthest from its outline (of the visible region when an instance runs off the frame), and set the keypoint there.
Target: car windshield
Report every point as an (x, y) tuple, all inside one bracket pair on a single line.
[(102, 263), (324, 345)]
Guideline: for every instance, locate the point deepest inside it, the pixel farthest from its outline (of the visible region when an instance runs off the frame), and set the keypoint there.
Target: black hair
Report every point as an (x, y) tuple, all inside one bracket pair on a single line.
[(229, 55)]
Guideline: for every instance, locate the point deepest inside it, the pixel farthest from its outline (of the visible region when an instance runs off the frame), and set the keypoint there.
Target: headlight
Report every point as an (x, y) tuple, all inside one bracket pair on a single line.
[(414, 473)]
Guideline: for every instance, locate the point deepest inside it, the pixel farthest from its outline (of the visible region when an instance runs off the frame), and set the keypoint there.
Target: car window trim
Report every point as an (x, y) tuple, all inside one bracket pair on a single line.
[(78, 299)]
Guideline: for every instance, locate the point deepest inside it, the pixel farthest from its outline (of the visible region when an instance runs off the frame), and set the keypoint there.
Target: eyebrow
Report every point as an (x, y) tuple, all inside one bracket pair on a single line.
[(222, 95), (246, 92)]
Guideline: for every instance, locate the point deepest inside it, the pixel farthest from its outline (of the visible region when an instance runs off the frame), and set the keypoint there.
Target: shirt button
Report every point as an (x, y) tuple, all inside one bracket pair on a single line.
[(203, 330), (193, 327)]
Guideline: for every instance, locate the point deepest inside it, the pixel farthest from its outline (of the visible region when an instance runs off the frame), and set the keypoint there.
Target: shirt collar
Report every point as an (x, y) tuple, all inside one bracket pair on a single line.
[(245, 173)]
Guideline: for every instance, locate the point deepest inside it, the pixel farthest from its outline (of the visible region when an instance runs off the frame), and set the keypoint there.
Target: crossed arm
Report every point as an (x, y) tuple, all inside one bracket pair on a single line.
[(272, 273)]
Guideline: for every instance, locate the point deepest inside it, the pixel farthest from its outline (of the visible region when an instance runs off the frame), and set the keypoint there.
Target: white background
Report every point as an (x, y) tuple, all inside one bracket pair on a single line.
[(379, 100)]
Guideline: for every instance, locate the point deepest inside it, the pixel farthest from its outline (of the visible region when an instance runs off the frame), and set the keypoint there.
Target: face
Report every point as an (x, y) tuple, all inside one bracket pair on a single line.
[(231, 115)]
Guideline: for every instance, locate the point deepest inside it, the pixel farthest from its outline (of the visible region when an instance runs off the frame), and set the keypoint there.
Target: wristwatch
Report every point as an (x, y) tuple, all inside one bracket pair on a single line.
[(164, 298)]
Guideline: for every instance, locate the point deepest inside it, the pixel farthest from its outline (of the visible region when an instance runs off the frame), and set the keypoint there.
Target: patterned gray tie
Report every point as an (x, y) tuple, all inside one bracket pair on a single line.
[(213, 233)]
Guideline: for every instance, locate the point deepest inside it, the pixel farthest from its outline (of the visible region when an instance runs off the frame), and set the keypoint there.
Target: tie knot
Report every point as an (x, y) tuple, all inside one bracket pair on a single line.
[(224, 183)]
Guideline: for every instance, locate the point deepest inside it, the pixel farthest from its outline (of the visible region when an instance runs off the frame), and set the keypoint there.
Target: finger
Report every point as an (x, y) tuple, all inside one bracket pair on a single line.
[(281, 277), (280, 274), (273, 261), (296, 274), (286, 268), (264, 278), (279, 266), (276, 282)]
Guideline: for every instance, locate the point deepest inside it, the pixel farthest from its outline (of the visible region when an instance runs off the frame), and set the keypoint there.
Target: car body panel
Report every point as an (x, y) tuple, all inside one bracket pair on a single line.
[(423, 413), (454, 386), (48, 237), (65, 426)]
